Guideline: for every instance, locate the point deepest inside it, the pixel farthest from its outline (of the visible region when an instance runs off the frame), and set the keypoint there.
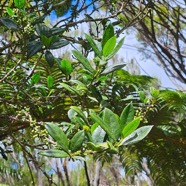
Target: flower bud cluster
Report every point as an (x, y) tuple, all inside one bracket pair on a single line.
[(143, 111), (39, 132)]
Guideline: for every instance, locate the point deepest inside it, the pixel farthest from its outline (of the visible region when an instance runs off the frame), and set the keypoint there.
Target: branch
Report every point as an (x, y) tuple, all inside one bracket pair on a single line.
[(19, 62)]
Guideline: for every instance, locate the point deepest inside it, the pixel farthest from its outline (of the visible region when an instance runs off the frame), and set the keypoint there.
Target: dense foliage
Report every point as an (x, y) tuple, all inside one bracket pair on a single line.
[(82, 106)]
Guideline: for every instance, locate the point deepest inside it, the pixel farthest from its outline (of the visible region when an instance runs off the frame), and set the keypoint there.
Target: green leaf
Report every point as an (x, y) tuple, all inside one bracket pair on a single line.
[(65, 66), (49, 58), (109, 32), (142, 96), (112, 121), (35, 78), (155, 93), (111, 149), (113, 68), (137, 135), (103, 125), (93, 127), (130, 127), (46, 41), (78, 120), (80, 113), (56, 30), (93, 45), (10, 11), (116, 49), (97, 147), (59, 44), (77, 141), (80, 158), (42, 30), (71, 114), (83, 60), (95, 93), (33, 47), (58, 135), (98, 135), (42, 90), (69, 88), (54, 153), (9, 23), (109, 46), (19, 3), (127, 115), (80, 86), (50, 82)]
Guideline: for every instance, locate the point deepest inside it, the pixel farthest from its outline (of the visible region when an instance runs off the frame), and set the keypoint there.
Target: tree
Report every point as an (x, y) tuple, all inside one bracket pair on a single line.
[(160, 27), (83, 106)]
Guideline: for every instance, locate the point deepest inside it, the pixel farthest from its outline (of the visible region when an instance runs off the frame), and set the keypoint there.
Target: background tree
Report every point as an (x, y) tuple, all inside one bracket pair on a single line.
[(160, 27)]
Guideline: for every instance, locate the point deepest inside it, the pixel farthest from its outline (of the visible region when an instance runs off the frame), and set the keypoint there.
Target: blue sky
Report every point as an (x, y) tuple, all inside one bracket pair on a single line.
[(53, 14)]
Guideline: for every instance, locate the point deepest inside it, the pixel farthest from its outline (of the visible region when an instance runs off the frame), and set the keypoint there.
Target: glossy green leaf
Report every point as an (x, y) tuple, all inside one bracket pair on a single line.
[(97, 147), (71, 114), (79, 121), (58, 135), (59, 44), (109, 32), (83, 60), (50, 82), (35, 78), (130, 127), (93, 45), (9, 23), (103, 125), (69, 88), (98, 135), (137, 135), (112, 68), (33, 47), (112, 121), (10, 11), (127, 115), (77, 141), (142, 96), (19, 3), (42, 90), (49, 58), (55, 38), (80, 113), (109, 46), (93, 127), (116, 49), (80, 86), (46, 41), (155, 93), (65, 66), (54, 153), (56, 30)]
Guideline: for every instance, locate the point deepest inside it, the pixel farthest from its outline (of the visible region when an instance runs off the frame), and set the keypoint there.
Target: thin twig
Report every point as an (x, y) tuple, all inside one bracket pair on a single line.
[(86, 173), (19, 62), (32, 177)]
